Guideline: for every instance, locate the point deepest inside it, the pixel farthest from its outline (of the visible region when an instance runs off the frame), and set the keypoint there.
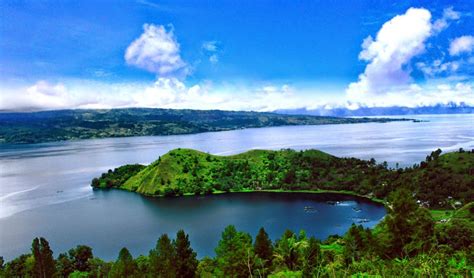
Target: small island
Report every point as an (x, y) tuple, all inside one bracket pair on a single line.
[(441, 181)]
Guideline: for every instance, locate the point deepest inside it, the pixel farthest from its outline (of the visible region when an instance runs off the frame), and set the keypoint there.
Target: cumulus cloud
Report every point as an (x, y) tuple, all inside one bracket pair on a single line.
[(157, 51), (168, 93), (165, 92), (464, 44), (173, 93), (41, 94), (45, 95), (386, 80), (390, 53), (415, 95), (396, 43)]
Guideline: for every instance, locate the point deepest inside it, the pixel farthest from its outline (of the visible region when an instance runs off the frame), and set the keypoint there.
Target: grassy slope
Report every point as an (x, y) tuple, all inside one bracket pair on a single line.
[(465, 212), (170, 167), (167, 168)]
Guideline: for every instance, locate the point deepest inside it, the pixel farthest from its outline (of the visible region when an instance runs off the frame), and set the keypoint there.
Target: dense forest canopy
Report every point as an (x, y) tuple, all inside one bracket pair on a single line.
[(59, 125), (441, 181)]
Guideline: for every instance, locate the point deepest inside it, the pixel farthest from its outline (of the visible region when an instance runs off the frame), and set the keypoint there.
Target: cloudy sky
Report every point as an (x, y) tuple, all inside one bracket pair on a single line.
[(235, 55)]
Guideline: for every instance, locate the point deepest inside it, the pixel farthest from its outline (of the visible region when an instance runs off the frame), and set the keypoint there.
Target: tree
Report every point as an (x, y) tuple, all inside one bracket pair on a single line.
[(162, 258), (410, 228), (287, 250), (290, 176), (206, 267), (38, 265), (124, 266), (435, 155), (355, 243), (19, 267), (44, 265), (80, 257), (99, 268), (234, 253), (143, 264), (64, 265), (312, 255), (263, 247), (95, 182), (186, 262)]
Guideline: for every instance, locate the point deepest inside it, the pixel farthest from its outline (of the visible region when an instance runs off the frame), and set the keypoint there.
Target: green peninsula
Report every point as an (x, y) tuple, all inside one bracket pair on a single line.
[(60, 125), (441, 181)]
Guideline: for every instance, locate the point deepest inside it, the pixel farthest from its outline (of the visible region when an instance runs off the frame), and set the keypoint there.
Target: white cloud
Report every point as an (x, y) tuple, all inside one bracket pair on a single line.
[(396, 43), (415, 95), (45, 95), (163, 93), (437, 67), (41, 94), (386, 80), (214, 58), (210, 46), (464, 44), (442, 23), (168, 93), (174, 93), (389, 57), (211, 49), (157, 51)]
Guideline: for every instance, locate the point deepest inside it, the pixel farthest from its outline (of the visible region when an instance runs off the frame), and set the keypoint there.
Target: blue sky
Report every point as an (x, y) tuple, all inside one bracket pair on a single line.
[(250, 55)]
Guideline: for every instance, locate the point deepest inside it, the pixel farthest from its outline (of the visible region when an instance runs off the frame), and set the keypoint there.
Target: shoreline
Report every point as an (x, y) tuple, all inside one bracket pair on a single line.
[(374, 119), (319, 191)]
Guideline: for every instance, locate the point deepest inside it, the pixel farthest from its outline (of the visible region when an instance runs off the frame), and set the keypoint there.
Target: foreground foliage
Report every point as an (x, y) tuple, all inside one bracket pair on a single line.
[(441, 181), (405, 244)]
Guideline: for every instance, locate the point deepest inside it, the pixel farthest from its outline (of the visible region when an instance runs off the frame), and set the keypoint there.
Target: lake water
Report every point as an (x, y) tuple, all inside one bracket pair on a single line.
[(44, 188)]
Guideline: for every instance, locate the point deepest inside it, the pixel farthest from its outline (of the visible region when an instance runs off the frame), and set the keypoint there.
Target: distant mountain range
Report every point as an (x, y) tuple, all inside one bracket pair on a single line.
[(382, 111)]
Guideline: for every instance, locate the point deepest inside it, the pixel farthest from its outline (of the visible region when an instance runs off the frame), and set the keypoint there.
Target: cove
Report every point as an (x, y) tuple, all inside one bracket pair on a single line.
[(111, 219)]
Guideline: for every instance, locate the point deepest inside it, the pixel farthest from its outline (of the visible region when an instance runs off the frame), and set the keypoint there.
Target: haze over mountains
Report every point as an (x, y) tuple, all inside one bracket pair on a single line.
[(450, 108)]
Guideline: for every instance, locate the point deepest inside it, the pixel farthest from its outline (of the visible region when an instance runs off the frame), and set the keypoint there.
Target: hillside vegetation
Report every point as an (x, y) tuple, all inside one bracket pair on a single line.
[(441, 181), (59, 125)]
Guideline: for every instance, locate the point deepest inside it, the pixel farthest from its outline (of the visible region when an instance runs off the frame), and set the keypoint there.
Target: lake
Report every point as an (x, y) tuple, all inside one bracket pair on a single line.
[(110, 220), (44, 188)]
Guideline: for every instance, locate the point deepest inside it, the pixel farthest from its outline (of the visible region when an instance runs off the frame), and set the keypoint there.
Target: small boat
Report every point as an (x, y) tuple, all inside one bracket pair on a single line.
[(309, 209), (356, 209)]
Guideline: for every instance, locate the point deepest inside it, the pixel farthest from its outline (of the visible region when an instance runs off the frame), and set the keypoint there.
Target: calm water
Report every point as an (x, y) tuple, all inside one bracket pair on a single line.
[(110, 220), (44, 188)]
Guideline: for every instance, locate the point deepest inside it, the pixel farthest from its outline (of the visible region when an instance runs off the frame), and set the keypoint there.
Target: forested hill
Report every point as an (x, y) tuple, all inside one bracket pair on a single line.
[(48, 126), (439, 181)]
